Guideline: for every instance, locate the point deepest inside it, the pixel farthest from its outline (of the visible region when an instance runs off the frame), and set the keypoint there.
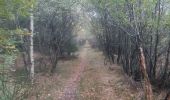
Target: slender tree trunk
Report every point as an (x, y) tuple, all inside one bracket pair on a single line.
[(150, 58), (54, 66), (31, 45), (147, 84), (165, 73), (157, 39)]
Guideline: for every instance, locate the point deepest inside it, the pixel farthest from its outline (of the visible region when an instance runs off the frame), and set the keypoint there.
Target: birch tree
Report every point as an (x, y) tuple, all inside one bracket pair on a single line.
[(31, 44), (11, 86)]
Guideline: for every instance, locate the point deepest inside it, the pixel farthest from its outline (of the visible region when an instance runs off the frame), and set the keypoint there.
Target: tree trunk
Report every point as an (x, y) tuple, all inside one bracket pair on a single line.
[(157, 38), (54, 66), (147, 84), (31, 45), (165, 73)]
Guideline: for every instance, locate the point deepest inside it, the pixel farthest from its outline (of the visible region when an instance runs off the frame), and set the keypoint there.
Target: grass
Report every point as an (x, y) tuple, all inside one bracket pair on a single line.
[(100, 83), (97, 82), (89, 88), (50, 87), (15, 85)]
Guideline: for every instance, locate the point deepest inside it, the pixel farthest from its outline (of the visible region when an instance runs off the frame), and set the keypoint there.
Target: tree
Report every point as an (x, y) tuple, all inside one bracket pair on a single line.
[(32, 44), (11, 87), (134, 31), (54, 31)]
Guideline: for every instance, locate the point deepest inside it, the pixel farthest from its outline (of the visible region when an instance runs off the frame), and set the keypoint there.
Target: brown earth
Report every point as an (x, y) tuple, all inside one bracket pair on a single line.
[(86, 78)]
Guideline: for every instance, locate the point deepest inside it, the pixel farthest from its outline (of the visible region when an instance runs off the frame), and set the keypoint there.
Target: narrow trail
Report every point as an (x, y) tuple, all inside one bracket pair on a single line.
[(85, 78), (70, 89), (101, 83), (93, 80)]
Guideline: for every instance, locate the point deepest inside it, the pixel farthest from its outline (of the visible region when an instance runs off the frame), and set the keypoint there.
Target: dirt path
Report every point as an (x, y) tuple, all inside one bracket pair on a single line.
[(84, 78), (70, 90), (100, 83), (94, 81)]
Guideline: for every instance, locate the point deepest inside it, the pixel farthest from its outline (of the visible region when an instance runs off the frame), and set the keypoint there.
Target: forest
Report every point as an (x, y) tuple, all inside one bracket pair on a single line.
[(84, 49)]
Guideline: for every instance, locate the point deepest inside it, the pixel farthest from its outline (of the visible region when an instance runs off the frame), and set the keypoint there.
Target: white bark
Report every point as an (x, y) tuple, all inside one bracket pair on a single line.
[(31, 45)]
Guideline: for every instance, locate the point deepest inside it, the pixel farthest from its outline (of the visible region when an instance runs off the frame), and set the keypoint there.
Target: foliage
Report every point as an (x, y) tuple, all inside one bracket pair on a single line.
[(121, 21), (54, 26), (10, 33)]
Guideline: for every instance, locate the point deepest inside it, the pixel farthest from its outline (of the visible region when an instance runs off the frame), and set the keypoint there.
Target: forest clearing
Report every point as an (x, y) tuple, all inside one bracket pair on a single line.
[(84, 49)]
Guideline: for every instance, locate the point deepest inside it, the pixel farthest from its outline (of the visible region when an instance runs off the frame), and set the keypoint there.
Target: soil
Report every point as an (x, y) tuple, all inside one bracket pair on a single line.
[(86, 78)]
